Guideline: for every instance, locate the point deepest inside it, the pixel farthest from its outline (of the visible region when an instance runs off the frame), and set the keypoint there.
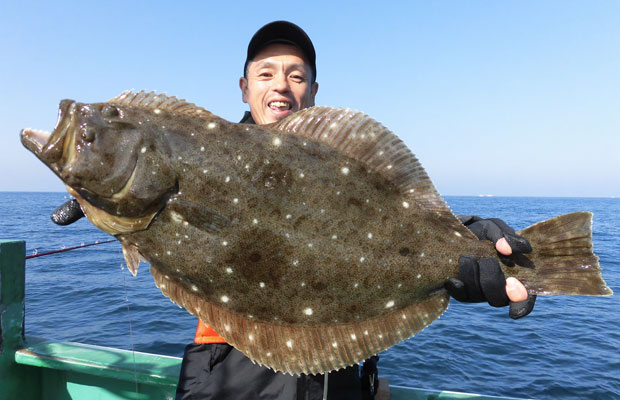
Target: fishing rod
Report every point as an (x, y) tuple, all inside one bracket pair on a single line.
[(69, 248)]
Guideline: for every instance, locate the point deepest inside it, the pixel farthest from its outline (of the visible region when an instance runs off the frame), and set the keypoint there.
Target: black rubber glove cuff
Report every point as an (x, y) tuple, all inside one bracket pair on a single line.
[(67, 213)]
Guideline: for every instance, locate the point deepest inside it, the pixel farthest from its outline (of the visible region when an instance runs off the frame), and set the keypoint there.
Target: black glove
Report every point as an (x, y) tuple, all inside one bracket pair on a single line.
[(67, 213), (484, 280)]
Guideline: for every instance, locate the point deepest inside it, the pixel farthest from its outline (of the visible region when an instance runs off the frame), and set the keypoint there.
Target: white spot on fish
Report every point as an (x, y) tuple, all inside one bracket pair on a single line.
[(418, 276), (168, 252), (211, 125), (362, 259), (389, 166), (303, 284), (229, 270), (301, 175), (389, 304), (277, 141), (308, 311), (400, 285), (180, 158), (405, 204), (255, 221), (458, 234), (356, 285), (369, 235), (224, 299), (224, 243), (157, 111), (227, 179), (421, 254), (194, 288), (143, 150), (334, 344), (345, 171), (251, 337), (404, 316), (295, 262), (204, 171), (310, 245), (289, 344), (202, 148), (353, 336), (334, 237), (236, 200), (289, 216), (261, 284)]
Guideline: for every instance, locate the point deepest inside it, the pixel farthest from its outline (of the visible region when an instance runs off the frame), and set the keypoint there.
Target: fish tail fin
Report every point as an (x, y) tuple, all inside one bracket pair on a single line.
[(562, 261)]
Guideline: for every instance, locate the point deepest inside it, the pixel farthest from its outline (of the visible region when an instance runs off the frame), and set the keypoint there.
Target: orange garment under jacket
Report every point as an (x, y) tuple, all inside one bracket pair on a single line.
[(205, 335)]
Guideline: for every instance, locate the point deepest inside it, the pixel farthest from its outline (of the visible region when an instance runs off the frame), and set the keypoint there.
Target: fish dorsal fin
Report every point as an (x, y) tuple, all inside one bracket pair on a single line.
[(162, 102), (364, 139)]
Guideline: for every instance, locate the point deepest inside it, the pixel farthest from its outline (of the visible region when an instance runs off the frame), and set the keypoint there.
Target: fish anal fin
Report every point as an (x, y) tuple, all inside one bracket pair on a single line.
[(312, 349), (162, 102), (197, 215)]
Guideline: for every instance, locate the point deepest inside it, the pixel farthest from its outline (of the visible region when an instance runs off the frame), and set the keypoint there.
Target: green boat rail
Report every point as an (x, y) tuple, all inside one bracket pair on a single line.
[(33, 368)]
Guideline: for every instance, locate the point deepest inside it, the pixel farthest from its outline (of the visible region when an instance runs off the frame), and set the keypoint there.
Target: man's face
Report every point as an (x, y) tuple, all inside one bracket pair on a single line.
[(278, 83)]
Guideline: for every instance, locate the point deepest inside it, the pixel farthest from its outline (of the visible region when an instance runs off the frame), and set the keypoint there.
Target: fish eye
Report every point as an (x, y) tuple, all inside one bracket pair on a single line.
[(87, 134), (110, 111)]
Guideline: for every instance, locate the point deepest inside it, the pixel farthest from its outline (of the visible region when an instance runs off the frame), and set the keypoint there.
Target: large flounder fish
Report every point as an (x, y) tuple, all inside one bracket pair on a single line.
[(309, 244)]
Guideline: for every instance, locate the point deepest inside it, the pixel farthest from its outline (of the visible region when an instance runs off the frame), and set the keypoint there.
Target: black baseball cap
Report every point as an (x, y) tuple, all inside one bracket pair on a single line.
[(282, 32)]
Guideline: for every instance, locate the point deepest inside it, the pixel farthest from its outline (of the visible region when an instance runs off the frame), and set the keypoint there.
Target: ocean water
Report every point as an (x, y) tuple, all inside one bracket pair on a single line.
[(568, 348)]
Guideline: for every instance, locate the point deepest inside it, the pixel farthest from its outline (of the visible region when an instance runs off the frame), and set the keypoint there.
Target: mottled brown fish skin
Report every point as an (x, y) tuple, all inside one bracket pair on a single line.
[(309, 244), (302, 235)]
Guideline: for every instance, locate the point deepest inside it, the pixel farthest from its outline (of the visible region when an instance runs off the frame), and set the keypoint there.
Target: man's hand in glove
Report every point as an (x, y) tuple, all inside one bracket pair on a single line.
[(483, 280), (67, 213)]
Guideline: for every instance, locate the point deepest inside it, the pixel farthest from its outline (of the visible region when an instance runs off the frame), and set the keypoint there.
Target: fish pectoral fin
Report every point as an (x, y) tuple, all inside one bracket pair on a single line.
[(197, 215), (132, 258)]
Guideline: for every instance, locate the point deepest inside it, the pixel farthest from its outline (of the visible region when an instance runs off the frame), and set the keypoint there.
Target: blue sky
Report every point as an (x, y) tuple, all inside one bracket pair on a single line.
[(516, 98)]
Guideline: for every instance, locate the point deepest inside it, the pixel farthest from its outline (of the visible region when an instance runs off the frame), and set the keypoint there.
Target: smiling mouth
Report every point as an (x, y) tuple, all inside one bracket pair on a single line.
[(280, 105)]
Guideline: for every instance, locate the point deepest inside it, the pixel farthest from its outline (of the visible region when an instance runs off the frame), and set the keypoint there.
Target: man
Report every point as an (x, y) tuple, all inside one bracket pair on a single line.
[(279, 79)]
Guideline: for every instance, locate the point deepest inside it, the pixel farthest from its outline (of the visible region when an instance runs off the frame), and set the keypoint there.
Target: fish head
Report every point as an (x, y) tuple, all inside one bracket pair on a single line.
[(107, 157)]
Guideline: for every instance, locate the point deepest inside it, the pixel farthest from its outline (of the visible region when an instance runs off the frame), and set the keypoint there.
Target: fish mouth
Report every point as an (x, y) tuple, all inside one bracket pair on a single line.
[(57, 146)]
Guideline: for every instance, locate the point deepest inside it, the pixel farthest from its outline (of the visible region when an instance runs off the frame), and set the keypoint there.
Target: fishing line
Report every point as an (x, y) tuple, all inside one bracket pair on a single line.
[(35, 252), (133, 353), (325, 386)]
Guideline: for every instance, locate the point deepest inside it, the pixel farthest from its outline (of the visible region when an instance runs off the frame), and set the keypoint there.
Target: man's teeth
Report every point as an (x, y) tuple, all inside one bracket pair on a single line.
[(280, 104)]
